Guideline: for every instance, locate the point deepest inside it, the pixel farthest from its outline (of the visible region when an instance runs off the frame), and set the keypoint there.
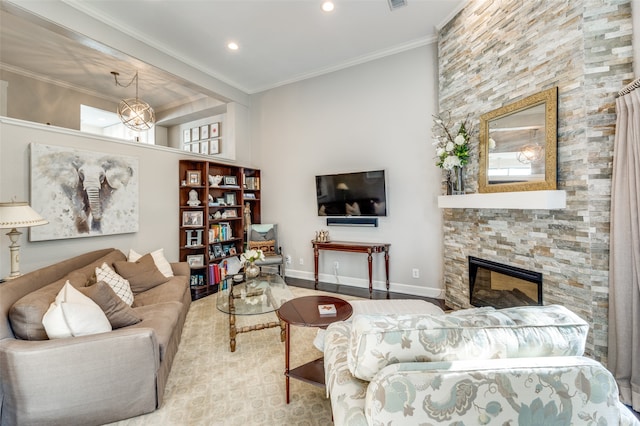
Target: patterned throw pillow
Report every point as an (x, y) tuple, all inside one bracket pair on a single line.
[(267, 247), (119, 285)]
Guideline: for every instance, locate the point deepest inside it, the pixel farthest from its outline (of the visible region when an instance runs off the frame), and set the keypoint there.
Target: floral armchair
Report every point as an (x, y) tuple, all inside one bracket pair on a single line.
[(515, 366)]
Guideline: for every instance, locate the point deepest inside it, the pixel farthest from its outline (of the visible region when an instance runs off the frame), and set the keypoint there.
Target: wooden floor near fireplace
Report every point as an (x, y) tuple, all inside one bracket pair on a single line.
[(360, 292)]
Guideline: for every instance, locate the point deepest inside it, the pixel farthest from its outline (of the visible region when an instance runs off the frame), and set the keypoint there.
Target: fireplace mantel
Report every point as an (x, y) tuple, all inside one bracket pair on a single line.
[(524, 200)]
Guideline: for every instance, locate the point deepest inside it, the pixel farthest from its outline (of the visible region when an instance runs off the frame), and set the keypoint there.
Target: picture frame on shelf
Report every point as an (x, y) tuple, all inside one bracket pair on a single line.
[(186, 135), (230, 198), (214, 146), (204, 132), (192, 218), (187, 147), (230, 180), (229, 213), (214, 130), (195, 148), (195, 134), (232, 251), (217, 250), (204, 147), (194, 178), (195, 260)]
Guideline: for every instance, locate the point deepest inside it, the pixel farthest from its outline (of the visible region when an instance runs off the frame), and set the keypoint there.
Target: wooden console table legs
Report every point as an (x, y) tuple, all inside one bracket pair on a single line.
[(353, 247)]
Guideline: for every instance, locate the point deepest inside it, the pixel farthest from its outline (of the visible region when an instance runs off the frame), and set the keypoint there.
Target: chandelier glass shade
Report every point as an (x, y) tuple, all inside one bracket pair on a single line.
[(530, 153), (133, 112)]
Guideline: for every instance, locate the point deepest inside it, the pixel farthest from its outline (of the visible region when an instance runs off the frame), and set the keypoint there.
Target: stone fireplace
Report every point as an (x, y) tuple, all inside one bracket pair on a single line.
[(502, 286), (493, 53)]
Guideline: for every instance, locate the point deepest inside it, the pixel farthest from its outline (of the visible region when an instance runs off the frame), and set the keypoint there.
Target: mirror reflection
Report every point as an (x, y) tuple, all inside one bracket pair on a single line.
[(518, 145)]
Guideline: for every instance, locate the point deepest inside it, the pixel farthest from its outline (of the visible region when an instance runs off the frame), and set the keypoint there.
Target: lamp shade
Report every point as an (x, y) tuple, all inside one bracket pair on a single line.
[(19, 215)]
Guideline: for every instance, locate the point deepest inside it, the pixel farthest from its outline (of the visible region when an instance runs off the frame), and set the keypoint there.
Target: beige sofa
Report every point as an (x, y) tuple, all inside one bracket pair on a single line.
[(91, 379)]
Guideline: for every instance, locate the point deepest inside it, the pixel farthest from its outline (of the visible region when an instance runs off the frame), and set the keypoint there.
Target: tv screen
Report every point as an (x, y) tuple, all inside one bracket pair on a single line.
[(352, 194)]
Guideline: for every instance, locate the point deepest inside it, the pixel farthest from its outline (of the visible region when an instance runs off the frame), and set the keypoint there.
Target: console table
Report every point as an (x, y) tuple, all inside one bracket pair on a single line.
[(353, 247)]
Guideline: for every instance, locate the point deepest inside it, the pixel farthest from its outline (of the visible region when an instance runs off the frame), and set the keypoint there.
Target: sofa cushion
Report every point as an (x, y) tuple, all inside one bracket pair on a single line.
[(26, 314), (119, 284), (174, 289), (158, 258), (73, 314), (142, 274), (163, 319), (527, 331), (118, 313), (525, 391)]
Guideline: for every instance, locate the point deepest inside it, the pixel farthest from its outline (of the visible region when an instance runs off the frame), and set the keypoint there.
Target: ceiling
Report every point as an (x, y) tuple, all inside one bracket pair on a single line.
[(281, 41)]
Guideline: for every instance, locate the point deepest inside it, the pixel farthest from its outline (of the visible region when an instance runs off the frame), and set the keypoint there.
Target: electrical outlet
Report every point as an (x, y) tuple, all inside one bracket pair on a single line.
[(415, 273), (301, 261), (288, 259)]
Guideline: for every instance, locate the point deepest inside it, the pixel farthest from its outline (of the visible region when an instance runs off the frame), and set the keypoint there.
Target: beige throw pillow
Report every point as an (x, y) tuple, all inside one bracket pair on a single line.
[(161, 262), (73, 314), (118, 313), (142, 274)]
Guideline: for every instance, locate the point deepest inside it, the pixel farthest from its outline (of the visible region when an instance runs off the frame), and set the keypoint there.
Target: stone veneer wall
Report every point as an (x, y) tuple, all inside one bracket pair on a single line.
[(498, 51)]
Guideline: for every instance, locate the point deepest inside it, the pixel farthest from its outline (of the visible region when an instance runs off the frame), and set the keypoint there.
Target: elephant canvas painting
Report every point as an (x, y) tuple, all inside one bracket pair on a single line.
[(82, 193)]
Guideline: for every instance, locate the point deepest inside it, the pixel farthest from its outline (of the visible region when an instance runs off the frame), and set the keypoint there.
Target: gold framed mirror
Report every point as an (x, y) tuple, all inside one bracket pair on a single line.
[(518, 145)]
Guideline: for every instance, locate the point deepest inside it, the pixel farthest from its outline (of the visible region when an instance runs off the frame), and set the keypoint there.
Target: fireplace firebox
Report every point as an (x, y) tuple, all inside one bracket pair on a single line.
[(502, 286)]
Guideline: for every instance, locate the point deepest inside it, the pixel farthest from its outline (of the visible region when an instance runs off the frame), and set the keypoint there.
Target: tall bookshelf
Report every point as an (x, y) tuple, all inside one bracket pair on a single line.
[(213, 198)]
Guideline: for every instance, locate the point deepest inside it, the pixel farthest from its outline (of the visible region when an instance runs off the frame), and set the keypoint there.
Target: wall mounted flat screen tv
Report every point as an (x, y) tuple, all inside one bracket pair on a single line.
[(352, 194)]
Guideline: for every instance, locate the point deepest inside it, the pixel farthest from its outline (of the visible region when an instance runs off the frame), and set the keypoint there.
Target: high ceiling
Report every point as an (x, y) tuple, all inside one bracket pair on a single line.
[(281, 41)]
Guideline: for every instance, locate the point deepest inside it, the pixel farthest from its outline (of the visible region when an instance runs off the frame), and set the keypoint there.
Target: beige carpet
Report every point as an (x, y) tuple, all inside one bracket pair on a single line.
[(209, 385)]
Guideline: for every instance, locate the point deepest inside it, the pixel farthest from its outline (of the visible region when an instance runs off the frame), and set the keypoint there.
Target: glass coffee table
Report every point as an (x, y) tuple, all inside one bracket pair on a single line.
[(256, 296)]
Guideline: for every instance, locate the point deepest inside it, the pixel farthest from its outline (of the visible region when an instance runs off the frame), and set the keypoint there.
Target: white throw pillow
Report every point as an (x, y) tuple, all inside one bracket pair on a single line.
[(161, 262), (73, 314), (119, 285)]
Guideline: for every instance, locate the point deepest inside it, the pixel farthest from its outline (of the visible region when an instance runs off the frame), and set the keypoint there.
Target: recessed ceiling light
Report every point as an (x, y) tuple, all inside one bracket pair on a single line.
[(233, 45), (327, 6)]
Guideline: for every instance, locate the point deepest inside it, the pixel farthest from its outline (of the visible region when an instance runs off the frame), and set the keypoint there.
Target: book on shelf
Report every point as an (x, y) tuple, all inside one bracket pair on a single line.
[(327, 309), (251, 182)]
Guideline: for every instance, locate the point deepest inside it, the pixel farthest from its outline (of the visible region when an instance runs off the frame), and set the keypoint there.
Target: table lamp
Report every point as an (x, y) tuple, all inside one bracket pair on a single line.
[(17, 215)]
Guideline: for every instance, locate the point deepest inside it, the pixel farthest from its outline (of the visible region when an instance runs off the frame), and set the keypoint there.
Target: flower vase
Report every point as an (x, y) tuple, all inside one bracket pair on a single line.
[(251, 270), (456, 181)]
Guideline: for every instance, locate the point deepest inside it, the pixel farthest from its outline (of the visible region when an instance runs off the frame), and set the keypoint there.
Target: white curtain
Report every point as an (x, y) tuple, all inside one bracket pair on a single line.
[(624, 260)]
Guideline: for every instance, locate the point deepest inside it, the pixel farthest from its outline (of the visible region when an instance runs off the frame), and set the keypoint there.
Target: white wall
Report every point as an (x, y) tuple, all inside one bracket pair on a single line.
[(158, 193), (372, 116)]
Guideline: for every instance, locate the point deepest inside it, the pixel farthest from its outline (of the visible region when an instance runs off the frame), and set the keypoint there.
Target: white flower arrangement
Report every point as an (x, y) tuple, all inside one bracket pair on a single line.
[(252, 255), (451, 141)]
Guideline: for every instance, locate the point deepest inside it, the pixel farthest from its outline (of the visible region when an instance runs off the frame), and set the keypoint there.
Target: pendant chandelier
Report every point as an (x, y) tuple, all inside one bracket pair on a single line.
[(136, 114)]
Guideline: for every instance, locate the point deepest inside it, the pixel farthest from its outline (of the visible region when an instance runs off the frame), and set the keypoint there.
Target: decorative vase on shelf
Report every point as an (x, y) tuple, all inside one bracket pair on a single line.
[(455, 181), (251, 270)]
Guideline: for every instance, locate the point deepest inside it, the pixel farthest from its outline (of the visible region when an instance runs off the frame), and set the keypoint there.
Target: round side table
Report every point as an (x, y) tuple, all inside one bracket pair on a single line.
[(304, 312)]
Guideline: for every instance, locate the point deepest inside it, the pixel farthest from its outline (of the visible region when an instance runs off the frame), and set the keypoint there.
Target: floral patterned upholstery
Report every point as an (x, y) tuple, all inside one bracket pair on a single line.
[(528, 331), (522, 391), (438, 369)]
